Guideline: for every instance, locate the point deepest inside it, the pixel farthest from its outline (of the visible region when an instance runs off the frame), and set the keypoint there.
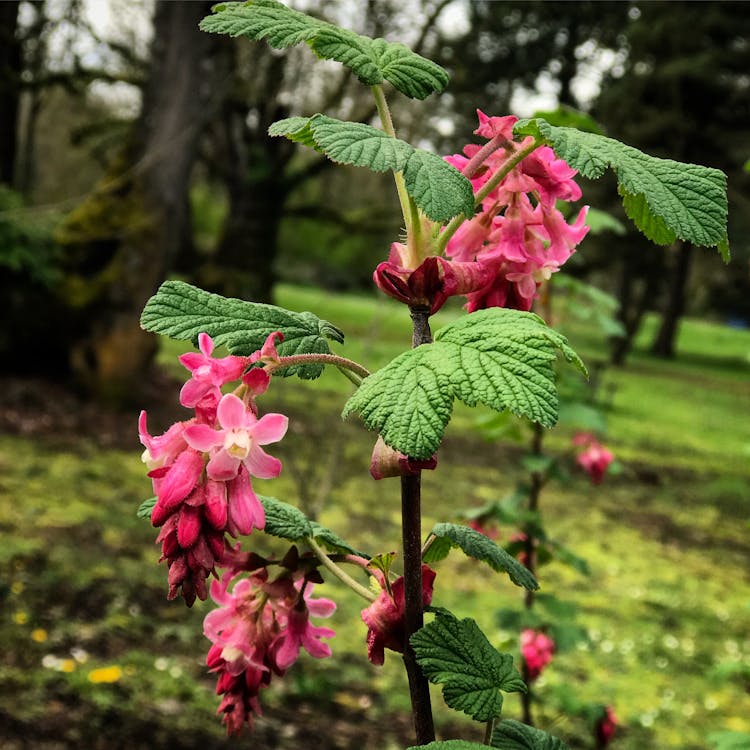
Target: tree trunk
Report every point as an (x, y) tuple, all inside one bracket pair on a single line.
[(664, 342), (10, 80), (125, 237), (638, 285)]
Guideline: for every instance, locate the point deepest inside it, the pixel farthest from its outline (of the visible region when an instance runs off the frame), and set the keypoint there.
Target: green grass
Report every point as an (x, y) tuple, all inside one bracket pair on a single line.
[(666, 607)]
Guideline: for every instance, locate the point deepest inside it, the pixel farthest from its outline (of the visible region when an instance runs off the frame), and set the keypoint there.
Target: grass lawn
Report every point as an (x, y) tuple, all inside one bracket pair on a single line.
[(94, 657)]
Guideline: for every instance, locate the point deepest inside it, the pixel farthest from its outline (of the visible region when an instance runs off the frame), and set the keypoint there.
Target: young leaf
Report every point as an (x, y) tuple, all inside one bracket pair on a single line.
[(480, 547), (438, 188), (145, 508), (182, 311), (287, 522), (371, 60), (457, 655), (284, 520), (501, 358), (332, 541), (513, 735), (666, 199)]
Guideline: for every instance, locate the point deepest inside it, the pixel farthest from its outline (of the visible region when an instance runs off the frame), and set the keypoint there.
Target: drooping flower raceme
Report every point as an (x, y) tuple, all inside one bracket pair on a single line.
[(201, 469), (257, 632), (537, 649), (519, 237)]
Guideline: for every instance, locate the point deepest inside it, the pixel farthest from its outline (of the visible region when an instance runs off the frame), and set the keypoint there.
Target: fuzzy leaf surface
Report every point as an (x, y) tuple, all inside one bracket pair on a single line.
[(371, 60), (480, 547), (501, 358), (146, 508), (287, 522), (450, 745), (666, 199), (457, 655), (182, 311), (438, 188), (513, 735), (284, 520)]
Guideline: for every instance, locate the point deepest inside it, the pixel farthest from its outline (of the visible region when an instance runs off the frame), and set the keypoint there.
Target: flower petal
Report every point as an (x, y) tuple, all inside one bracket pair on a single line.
[(232, 412), (202, 437), (222, 466), (270, 428), (260, 464)]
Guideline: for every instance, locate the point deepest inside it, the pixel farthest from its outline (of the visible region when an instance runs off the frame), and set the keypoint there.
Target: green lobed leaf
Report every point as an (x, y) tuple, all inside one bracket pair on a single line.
[(513, 735), (371, 60), (457, 655), (450, 745), (146, 507), (666, 199), (284, 520), (438, 188), (501, 358), (480, 547), (333, 542), (288, 522), (182, 311)]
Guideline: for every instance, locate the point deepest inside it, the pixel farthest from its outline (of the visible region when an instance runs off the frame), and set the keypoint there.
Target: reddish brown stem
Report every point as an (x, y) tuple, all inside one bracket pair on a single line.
[(537, 481), (411, 529)]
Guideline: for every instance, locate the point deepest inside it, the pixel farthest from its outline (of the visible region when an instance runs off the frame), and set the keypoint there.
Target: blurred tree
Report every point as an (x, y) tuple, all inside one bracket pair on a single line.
[(10, 88), (683, 95), (263, 175)]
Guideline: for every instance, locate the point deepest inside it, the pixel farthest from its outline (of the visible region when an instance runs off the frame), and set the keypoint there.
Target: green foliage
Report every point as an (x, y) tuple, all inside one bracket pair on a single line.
[(666, 199), (182, 311), (450, 745), (480, 547), (500, 358), (457, 655), (371, 60), (27, 248), (730, 740), (513, 735), (146, 507), (288, 522), (438, 188)]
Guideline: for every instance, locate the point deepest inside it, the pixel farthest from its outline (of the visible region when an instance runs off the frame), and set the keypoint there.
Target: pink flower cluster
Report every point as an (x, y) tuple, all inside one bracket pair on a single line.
[(595, 458), (201, 469), (258, 632), (385, 616), (536, 650), (519, 237)]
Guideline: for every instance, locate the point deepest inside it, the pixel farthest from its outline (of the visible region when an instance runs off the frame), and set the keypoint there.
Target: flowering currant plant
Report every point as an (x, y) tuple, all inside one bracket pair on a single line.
[(487, 224)]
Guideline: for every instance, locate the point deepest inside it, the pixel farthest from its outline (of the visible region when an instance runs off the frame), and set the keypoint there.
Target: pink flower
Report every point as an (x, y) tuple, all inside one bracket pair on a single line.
[(385, 616), (605, 727), (431, 283), (238, 441), (595, 458), (519, 238), (208, 374), (301, 633), (536, 650), (257, 631)]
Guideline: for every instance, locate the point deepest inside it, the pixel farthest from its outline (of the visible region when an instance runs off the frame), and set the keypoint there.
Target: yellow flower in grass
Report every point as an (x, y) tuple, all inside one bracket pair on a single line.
[(105, 674), (39, 635)]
